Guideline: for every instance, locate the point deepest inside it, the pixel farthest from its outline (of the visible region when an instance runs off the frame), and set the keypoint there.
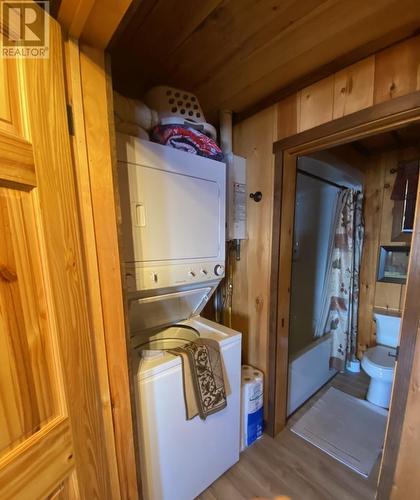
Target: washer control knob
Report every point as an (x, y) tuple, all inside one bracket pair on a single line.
[(219, 270), (204, 272), (192, 274)]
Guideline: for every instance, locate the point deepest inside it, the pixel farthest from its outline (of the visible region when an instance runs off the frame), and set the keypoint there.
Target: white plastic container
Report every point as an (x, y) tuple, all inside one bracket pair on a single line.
[(252, 405)]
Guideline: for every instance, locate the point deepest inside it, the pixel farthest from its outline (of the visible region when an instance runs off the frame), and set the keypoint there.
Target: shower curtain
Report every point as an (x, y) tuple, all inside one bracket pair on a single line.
[(341, 287)]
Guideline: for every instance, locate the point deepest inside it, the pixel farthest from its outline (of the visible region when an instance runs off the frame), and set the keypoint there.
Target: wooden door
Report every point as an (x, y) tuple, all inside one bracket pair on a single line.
[(51, 429)]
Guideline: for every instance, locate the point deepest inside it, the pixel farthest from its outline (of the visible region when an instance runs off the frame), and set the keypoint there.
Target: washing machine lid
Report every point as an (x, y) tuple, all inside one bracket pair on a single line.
[(150, 313)]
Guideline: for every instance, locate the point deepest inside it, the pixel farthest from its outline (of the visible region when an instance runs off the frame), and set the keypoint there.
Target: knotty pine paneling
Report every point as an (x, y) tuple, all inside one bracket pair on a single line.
[(390, 73), (316, 104), (253, 139), (353, 88), (373, 191), (288, 116), (397, 70)]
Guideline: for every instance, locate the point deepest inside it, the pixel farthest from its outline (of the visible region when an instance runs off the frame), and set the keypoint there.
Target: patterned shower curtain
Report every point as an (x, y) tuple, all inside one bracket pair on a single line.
[(341, 287)]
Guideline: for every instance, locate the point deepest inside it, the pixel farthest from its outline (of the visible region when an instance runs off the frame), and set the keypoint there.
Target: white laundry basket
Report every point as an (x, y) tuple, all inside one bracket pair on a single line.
[(169, 102), (175, 106)]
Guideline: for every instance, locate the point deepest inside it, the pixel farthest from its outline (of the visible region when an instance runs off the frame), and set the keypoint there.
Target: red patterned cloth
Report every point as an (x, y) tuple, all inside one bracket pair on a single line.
[(187, 139)]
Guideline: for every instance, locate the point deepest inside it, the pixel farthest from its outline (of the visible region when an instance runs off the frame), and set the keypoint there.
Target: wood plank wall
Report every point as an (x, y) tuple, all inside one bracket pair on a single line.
[(387, 298), (253, 139), (390, 73)]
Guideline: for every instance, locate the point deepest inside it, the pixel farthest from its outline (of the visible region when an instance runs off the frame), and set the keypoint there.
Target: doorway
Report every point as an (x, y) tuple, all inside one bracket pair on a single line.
[(362, 125), (320, 181)]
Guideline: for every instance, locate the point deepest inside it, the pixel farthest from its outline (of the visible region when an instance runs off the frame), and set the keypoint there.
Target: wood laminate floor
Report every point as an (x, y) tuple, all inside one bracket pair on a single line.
[(288, 465)]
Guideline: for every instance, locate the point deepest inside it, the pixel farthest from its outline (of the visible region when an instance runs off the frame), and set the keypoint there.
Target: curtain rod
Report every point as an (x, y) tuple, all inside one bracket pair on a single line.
[(303, 172)]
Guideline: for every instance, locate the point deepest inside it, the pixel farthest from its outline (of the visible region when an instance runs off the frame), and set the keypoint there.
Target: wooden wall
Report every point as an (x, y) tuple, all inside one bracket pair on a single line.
[(377, 296), (390, 73), (253, 139)]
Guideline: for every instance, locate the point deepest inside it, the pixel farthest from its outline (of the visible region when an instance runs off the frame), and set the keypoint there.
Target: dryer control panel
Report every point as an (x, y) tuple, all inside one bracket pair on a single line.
[(150, 278)]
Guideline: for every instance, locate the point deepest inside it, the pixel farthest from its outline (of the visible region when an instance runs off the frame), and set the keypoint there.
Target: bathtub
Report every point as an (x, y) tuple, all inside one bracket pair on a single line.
[(308, 371)]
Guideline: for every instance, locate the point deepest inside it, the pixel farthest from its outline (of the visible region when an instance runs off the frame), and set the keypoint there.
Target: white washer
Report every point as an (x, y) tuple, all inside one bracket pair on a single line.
[(182, 458)]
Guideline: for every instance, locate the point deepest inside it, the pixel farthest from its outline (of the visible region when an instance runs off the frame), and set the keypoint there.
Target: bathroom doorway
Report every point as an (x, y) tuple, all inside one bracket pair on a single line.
[(367, 126), (320, 181)]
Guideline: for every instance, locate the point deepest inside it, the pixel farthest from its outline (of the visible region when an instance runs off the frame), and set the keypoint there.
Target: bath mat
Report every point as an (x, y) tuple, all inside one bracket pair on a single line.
[(347, 428)]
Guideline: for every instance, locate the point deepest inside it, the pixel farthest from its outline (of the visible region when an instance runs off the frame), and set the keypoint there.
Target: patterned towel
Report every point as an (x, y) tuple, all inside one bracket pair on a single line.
[(202, 373)]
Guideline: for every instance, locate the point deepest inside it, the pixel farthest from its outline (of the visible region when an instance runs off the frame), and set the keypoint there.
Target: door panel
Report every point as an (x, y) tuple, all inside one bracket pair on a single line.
[(51, 422), (35, 467), (11, 113), (27, 386), (17, 162), (36, 449)]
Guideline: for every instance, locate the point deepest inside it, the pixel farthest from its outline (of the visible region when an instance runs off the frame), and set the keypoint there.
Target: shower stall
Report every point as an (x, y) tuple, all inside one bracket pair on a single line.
[(316, 204)]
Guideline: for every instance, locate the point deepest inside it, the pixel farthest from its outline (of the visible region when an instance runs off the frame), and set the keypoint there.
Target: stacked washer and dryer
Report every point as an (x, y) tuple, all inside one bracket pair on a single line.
[(173, 215)]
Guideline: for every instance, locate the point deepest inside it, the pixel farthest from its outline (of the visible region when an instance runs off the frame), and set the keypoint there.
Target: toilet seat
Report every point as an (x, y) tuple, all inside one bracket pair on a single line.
[(378, 363)]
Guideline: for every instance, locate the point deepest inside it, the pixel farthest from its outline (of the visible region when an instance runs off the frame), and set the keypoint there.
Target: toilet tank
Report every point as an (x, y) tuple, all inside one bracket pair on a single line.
[(387, 329)]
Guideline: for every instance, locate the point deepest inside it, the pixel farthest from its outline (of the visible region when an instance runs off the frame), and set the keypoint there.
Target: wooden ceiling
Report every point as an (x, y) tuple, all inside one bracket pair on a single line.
[(241, 54)]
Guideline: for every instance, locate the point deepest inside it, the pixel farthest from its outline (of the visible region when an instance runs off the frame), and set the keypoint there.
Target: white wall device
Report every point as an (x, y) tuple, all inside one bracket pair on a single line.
[(237, 199)]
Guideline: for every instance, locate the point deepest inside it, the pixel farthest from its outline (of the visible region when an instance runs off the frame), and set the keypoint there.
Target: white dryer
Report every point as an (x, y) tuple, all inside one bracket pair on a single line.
[(173, 215), (173, 209)]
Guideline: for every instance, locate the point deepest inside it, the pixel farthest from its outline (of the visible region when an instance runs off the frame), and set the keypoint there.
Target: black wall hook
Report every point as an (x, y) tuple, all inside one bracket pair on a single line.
[(257, 196)]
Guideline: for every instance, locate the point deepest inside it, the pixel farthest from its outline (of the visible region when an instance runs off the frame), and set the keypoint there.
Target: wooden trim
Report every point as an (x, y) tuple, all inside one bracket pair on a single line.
[(90, 95), (274, 285), (93, 21), (73, 15), (117, 207), (370, 121), (409, 348), (98, 116), (81, 166), (16, 153), (284, 288), (386, 116)]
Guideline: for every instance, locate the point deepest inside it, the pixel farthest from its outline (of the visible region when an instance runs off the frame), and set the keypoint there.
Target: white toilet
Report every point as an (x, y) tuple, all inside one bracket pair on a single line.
[(379, 361)]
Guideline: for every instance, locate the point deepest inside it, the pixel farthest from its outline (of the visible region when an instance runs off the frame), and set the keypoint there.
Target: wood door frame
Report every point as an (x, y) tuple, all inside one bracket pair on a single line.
[(89, 93), (380, 118)]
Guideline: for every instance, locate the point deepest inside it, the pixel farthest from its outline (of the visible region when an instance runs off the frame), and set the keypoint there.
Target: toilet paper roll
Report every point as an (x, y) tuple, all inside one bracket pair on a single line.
[(252, 395), (257, 374), (250, 371)]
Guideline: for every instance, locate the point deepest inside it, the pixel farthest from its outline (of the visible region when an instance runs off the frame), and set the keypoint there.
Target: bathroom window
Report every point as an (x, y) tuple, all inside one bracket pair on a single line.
[(393, 264)]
